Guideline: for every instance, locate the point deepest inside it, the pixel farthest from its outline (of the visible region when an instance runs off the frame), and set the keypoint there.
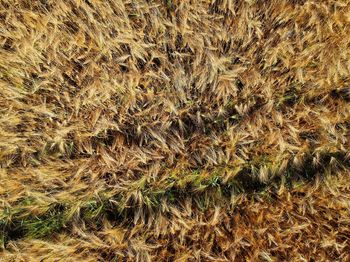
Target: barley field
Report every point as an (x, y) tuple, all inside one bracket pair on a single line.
[(176, 130)]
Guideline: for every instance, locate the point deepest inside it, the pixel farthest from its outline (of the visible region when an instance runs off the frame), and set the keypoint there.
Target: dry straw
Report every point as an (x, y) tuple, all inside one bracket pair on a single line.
[(179, 130)]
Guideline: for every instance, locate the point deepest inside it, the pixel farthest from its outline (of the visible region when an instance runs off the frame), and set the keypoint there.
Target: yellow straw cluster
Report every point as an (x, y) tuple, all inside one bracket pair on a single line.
[(210, 130)]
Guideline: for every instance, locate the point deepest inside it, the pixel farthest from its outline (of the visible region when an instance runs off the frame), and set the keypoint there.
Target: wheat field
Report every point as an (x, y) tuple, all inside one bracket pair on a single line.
[(149, 130)]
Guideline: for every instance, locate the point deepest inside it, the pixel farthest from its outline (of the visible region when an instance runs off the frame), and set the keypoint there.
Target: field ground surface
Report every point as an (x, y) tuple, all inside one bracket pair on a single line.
[(174, 130)]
